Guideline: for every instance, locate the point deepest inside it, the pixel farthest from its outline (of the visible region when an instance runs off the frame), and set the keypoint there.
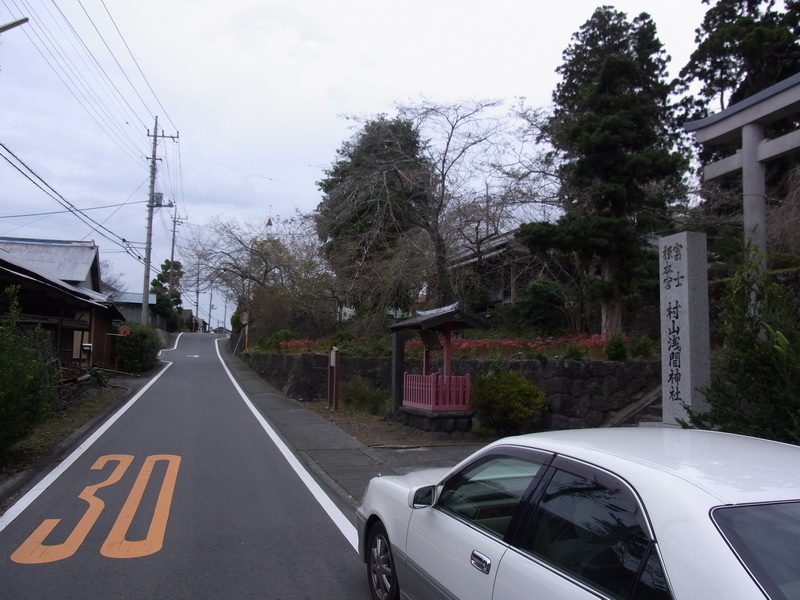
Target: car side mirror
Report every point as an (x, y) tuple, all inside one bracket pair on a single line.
[(422, 496)]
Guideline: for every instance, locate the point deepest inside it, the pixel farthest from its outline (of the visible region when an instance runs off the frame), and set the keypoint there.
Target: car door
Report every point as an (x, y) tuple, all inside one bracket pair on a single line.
[(454, 547), (586, 536)]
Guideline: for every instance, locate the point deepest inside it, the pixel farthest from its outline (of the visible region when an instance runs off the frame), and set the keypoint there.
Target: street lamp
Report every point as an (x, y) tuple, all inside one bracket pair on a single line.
[(7, 26)]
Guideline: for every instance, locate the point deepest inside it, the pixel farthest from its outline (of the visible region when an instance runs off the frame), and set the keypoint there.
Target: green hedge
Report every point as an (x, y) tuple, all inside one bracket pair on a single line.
[(138, 351), (508, 403), (29, 376)]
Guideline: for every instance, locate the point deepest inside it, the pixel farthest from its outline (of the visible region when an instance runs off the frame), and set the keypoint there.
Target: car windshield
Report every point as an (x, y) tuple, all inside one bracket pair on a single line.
[(767, 539)]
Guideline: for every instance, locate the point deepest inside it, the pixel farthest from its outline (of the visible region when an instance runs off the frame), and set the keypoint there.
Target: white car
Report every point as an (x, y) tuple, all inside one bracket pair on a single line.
[(637, 513)]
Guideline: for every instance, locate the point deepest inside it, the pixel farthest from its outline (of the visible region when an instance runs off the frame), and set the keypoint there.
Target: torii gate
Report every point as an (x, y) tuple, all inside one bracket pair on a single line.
[(748, 119)]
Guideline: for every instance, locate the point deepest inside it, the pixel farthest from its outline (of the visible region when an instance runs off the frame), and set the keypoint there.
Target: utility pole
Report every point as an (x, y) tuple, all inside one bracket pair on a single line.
[(197, 300), (210, 307), (151, 204), (175, 222)]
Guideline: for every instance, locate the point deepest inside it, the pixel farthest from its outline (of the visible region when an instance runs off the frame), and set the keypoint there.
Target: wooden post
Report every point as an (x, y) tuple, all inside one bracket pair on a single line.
[(398, 360), (448, 338), (333, 379)]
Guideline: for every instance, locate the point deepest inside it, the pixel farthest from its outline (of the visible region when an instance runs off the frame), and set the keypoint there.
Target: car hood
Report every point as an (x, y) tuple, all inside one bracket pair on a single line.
[(417, 478)]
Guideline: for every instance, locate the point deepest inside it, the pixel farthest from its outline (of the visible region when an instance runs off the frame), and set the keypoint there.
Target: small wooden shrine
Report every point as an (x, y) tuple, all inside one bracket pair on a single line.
[(436, 401)]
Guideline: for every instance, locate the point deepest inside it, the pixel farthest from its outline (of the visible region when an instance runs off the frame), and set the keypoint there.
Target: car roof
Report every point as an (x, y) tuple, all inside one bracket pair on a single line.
[(731, 468)]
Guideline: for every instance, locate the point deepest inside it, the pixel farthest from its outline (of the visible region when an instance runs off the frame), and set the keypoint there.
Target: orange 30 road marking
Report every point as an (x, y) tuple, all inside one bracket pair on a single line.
[(116, 546), (35, 551)]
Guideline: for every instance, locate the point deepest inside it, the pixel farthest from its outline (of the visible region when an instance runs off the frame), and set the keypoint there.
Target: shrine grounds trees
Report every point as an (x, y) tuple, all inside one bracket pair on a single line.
[(612, 133), (603, 169), (374, 196), (401, 196), (743, 47)]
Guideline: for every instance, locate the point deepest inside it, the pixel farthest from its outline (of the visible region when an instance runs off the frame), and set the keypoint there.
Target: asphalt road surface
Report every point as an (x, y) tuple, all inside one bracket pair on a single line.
[(186, 493)]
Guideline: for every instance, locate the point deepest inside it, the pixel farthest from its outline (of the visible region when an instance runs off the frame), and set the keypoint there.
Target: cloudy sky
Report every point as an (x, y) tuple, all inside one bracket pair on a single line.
[(255, 90)]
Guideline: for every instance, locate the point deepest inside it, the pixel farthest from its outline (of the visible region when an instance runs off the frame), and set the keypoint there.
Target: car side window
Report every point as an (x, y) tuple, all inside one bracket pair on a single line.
[(487, 493), (593, 533)]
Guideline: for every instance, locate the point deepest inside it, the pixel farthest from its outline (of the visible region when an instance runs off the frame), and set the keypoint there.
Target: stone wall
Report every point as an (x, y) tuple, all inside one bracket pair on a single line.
[(581, 393)]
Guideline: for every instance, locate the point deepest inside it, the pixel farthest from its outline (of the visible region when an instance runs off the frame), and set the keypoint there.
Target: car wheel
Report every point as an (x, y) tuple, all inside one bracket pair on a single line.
[(381, 574)]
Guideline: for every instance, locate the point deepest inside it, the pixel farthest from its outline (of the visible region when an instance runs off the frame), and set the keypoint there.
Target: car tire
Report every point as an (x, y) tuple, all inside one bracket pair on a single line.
[(381, 574)]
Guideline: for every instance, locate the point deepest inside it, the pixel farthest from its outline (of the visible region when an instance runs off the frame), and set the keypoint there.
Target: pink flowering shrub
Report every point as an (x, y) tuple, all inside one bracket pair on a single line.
[(574, 346), (301, 346), (592, 345)]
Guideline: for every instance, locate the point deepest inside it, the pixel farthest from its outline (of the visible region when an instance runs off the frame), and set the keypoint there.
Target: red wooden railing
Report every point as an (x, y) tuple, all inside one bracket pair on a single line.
[(436, 392)]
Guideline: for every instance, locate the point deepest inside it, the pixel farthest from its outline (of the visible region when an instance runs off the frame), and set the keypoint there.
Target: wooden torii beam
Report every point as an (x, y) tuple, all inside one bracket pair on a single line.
[(747, 120)]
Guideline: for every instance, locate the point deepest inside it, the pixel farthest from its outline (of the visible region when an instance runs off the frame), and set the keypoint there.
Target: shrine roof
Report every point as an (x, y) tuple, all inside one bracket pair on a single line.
[(449, 319)]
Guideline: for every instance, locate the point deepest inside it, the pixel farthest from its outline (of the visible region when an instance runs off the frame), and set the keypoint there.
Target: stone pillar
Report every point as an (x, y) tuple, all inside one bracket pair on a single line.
[(685, 337), (754, 188)]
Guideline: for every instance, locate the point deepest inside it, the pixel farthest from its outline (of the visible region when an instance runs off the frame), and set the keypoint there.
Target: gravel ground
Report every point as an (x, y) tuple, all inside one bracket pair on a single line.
[(374, 430)]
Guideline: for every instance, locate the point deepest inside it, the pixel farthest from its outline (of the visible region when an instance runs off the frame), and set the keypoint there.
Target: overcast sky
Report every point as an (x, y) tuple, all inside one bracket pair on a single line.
[(256, 90)]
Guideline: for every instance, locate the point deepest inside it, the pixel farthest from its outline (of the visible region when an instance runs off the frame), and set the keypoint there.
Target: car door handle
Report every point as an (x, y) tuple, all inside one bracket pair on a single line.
[(480, 562)]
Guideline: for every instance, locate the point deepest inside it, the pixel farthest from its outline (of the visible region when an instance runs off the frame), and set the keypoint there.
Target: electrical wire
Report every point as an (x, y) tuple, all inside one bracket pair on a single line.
[(119, 97), (98, 73), (111, 52), (49, 47), (61, 212), (94, 89), (45, 187), (133, 58)]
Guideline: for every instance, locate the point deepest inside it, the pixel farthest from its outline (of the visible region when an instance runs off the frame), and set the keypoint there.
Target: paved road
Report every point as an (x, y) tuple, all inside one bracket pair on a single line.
[(188, 493)]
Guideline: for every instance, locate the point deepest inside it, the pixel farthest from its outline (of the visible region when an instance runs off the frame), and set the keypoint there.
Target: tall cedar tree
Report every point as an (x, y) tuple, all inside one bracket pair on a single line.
[(373, 195), (612, 130)]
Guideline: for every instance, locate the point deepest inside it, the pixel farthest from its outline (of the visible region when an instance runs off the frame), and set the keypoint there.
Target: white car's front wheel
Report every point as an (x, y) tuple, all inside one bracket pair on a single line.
[(380, 566)]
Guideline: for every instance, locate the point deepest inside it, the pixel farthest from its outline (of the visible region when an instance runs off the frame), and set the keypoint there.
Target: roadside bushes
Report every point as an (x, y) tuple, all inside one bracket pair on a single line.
[(274, 342), (29, 377), (755, 374), (138, 351), (360, 395), (507, 402), (616, 349)]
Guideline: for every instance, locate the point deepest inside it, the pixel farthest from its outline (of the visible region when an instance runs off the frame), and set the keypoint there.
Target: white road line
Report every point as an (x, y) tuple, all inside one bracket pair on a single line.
[(32, 494), (336, 515)]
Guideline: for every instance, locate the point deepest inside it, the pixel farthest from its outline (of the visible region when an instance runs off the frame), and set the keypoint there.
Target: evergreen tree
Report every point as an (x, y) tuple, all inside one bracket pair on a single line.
[(168, 299), (613, 132), (743, 47), (374, 196)]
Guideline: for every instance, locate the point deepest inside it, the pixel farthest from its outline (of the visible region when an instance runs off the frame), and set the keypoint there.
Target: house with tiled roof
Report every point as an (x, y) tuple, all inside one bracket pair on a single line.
[(58, 289)]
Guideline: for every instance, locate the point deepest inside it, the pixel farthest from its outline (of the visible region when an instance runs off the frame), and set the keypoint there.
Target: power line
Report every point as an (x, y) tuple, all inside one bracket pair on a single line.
[(133, 58), (213, 162), (111, 52), (99, 67), (71, 58), (50, 191), (66, 72), (61, 212)]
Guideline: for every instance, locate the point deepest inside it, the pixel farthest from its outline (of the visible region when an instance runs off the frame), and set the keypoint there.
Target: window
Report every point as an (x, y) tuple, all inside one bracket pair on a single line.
[(488, 492), (767, 539), (593, 533)]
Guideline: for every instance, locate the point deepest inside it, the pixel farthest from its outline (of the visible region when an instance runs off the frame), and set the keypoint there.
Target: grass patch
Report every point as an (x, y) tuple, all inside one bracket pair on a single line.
[(58, 426)]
